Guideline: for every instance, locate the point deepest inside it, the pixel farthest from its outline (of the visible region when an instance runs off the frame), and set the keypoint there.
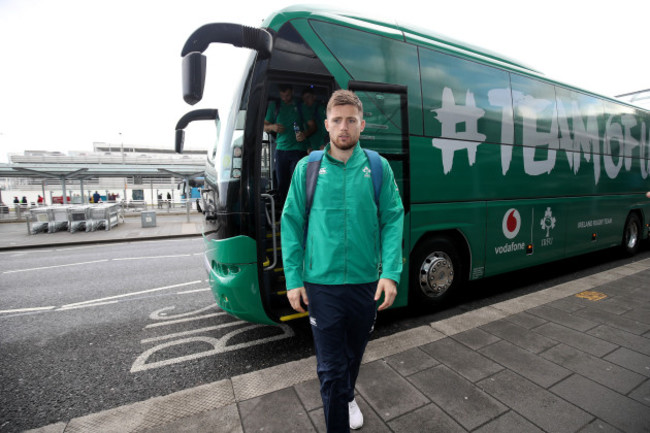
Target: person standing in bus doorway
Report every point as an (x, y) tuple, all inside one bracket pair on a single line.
[(287, 121), (342, 259), (316, 133)]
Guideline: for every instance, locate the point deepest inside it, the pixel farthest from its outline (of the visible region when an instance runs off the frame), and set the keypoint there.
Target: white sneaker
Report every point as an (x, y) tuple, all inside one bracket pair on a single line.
[(356, 418)]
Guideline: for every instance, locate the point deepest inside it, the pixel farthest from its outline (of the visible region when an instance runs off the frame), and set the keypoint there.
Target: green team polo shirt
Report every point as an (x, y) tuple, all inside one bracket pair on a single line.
[(317, 113), (287, 114)]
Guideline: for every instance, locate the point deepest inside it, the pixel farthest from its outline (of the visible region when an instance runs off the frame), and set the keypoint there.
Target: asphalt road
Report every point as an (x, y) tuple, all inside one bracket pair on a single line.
[(84, 329)]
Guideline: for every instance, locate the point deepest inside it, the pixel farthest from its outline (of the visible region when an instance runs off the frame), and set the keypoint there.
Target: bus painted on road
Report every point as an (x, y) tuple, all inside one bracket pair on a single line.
[(499, 167)]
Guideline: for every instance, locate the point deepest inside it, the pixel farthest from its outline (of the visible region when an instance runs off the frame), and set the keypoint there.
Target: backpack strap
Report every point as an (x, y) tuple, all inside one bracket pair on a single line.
[(376, 171), (311, 178)]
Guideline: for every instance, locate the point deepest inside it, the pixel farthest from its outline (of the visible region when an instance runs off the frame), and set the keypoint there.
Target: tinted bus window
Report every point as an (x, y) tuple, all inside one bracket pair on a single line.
[(465, 100), (370, 57), (536, 126), (581, 124)]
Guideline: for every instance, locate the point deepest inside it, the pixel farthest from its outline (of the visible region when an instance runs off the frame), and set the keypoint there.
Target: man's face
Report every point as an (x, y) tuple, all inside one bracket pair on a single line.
[(345, 125), (286, 95), (308, 99)]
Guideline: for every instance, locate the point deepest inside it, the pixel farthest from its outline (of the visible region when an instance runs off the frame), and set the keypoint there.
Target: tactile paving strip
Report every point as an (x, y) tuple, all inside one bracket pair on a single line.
[(156, 411)]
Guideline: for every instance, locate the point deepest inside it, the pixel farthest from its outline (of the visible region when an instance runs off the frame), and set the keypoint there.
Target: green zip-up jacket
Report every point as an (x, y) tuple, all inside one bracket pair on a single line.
[(348, 241)]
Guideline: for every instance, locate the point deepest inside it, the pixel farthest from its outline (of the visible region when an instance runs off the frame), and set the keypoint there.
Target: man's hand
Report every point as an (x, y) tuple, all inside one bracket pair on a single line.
[(300, 137), (389, 288), (295, 296)]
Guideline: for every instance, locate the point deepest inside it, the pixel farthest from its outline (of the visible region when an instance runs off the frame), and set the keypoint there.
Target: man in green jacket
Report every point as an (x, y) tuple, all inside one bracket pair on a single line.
[(350, 257), (291, 144)]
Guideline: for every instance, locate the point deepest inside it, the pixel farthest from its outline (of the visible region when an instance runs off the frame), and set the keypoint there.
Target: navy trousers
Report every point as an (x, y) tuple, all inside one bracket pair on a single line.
[(285, 164), (342, 318)]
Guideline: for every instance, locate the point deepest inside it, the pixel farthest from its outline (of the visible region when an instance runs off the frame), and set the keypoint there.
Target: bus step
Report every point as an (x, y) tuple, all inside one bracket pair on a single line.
[(293, 316)]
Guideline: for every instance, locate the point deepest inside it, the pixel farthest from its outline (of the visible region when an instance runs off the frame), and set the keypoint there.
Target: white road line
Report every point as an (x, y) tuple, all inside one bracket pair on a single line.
[(80, 247), (194, 291), (152, 257), (97, 261), (96, 304), (26, 310), (189, 319), (108, 298), (55, 266), (194, 331)]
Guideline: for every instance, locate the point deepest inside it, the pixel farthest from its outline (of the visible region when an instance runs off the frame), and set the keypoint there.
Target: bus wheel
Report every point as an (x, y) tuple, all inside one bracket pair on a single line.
[(436, 272), (632, 235)]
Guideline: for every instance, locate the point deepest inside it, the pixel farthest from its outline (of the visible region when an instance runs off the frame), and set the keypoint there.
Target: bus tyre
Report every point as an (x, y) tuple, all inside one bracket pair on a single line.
[(632, 235), (436, 272)]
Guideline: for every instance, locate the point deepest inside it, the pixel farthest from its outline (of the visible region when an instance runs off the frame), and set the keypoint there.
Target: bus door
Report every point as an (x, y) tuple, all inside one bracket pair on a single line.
[(385, 109), (273, 281)]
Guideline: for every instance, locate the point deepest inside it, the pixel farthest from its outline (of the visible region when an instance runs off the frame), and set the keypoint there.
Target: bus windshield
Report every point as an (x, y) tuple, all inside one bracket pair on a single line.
[(226, 155)]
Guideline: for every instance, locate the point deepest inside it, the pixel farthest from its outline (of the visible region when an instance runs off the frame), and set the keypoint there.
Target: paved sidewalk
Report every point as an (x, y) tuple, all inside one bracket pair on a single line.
[(15, 235), (571, 358)]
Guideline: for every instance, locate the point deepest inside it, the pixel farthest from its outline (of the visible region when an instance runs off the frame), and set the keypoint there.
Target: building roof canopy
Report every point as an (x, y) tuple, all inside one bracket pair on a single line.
[(89, 171)]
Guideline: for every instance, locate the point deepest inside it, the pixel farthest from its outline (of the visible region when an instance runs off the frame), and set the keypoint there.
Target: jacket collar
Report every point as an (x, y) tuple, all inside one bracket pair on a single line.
[(358, 156)]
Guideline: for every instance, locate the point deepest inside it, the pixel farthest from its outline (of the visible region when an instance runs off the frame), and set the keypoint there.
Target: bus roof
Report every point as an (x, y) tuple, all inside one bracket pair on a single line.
[(377, 24), (419, 36)]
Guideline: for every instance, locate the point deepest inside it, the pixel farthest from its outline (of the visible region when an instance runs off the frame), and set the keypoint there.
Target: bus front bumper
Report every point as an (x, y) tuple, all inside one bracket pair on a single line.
[(231, 265)]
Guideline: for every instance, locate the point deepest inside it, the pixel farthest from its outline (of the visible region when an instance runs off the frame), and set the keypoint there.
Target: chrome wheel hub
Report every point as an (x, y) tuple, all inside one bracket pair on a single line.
[(631, 235), (436, 274)]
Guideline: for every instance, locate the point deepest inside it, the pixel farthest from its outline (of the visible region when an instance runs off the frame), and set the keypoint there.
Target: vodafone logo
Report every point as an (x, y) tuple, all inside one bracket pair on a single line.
[(511, 223)]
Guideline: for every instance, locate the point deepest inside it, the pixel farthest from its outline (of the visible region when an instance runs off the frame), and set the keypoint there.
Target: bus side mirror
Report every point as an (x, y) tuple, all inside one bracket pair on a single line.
[(203, 114), (180, 140), (194, 63), (194, 67)]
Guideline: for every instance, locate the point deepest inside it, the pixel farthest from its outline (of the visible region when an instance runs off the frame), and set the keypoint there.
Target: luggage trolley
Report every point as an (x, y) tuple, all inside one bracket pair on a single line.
[(103, 216), (77, 216), (38, 220), (114, 214), (58, 218)]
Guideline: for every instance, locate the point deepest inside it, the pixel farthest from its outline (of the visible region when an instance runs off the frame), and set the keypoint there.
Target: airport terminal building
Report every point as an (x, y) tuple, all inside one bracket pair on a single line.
[(115, 171)]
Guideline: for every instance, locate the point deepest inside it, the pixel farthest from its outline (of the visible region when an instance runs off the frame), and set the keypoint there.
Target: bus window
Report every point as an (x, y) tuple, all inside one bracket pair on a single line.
[(374, 58), (477, 96), (535, 118)]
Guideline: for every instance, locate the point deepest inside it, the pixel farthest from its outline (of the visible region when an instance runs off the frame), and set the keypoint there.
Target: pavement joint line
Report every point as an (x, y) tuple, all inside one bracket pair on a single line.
[(469, 320), (268, 380), (161, 410), (400, 342)]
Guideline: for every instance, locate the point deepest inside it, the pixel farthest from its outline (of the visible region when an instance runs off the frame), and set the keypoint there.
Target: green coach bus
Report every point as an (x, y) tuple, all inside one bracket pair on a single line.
[(499, 167)]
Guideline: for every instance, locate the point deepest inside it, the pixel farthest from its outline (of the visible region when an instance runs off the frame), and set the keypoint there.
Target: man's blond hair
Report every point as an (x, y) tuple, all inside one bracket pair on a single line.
[(345, 97)]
